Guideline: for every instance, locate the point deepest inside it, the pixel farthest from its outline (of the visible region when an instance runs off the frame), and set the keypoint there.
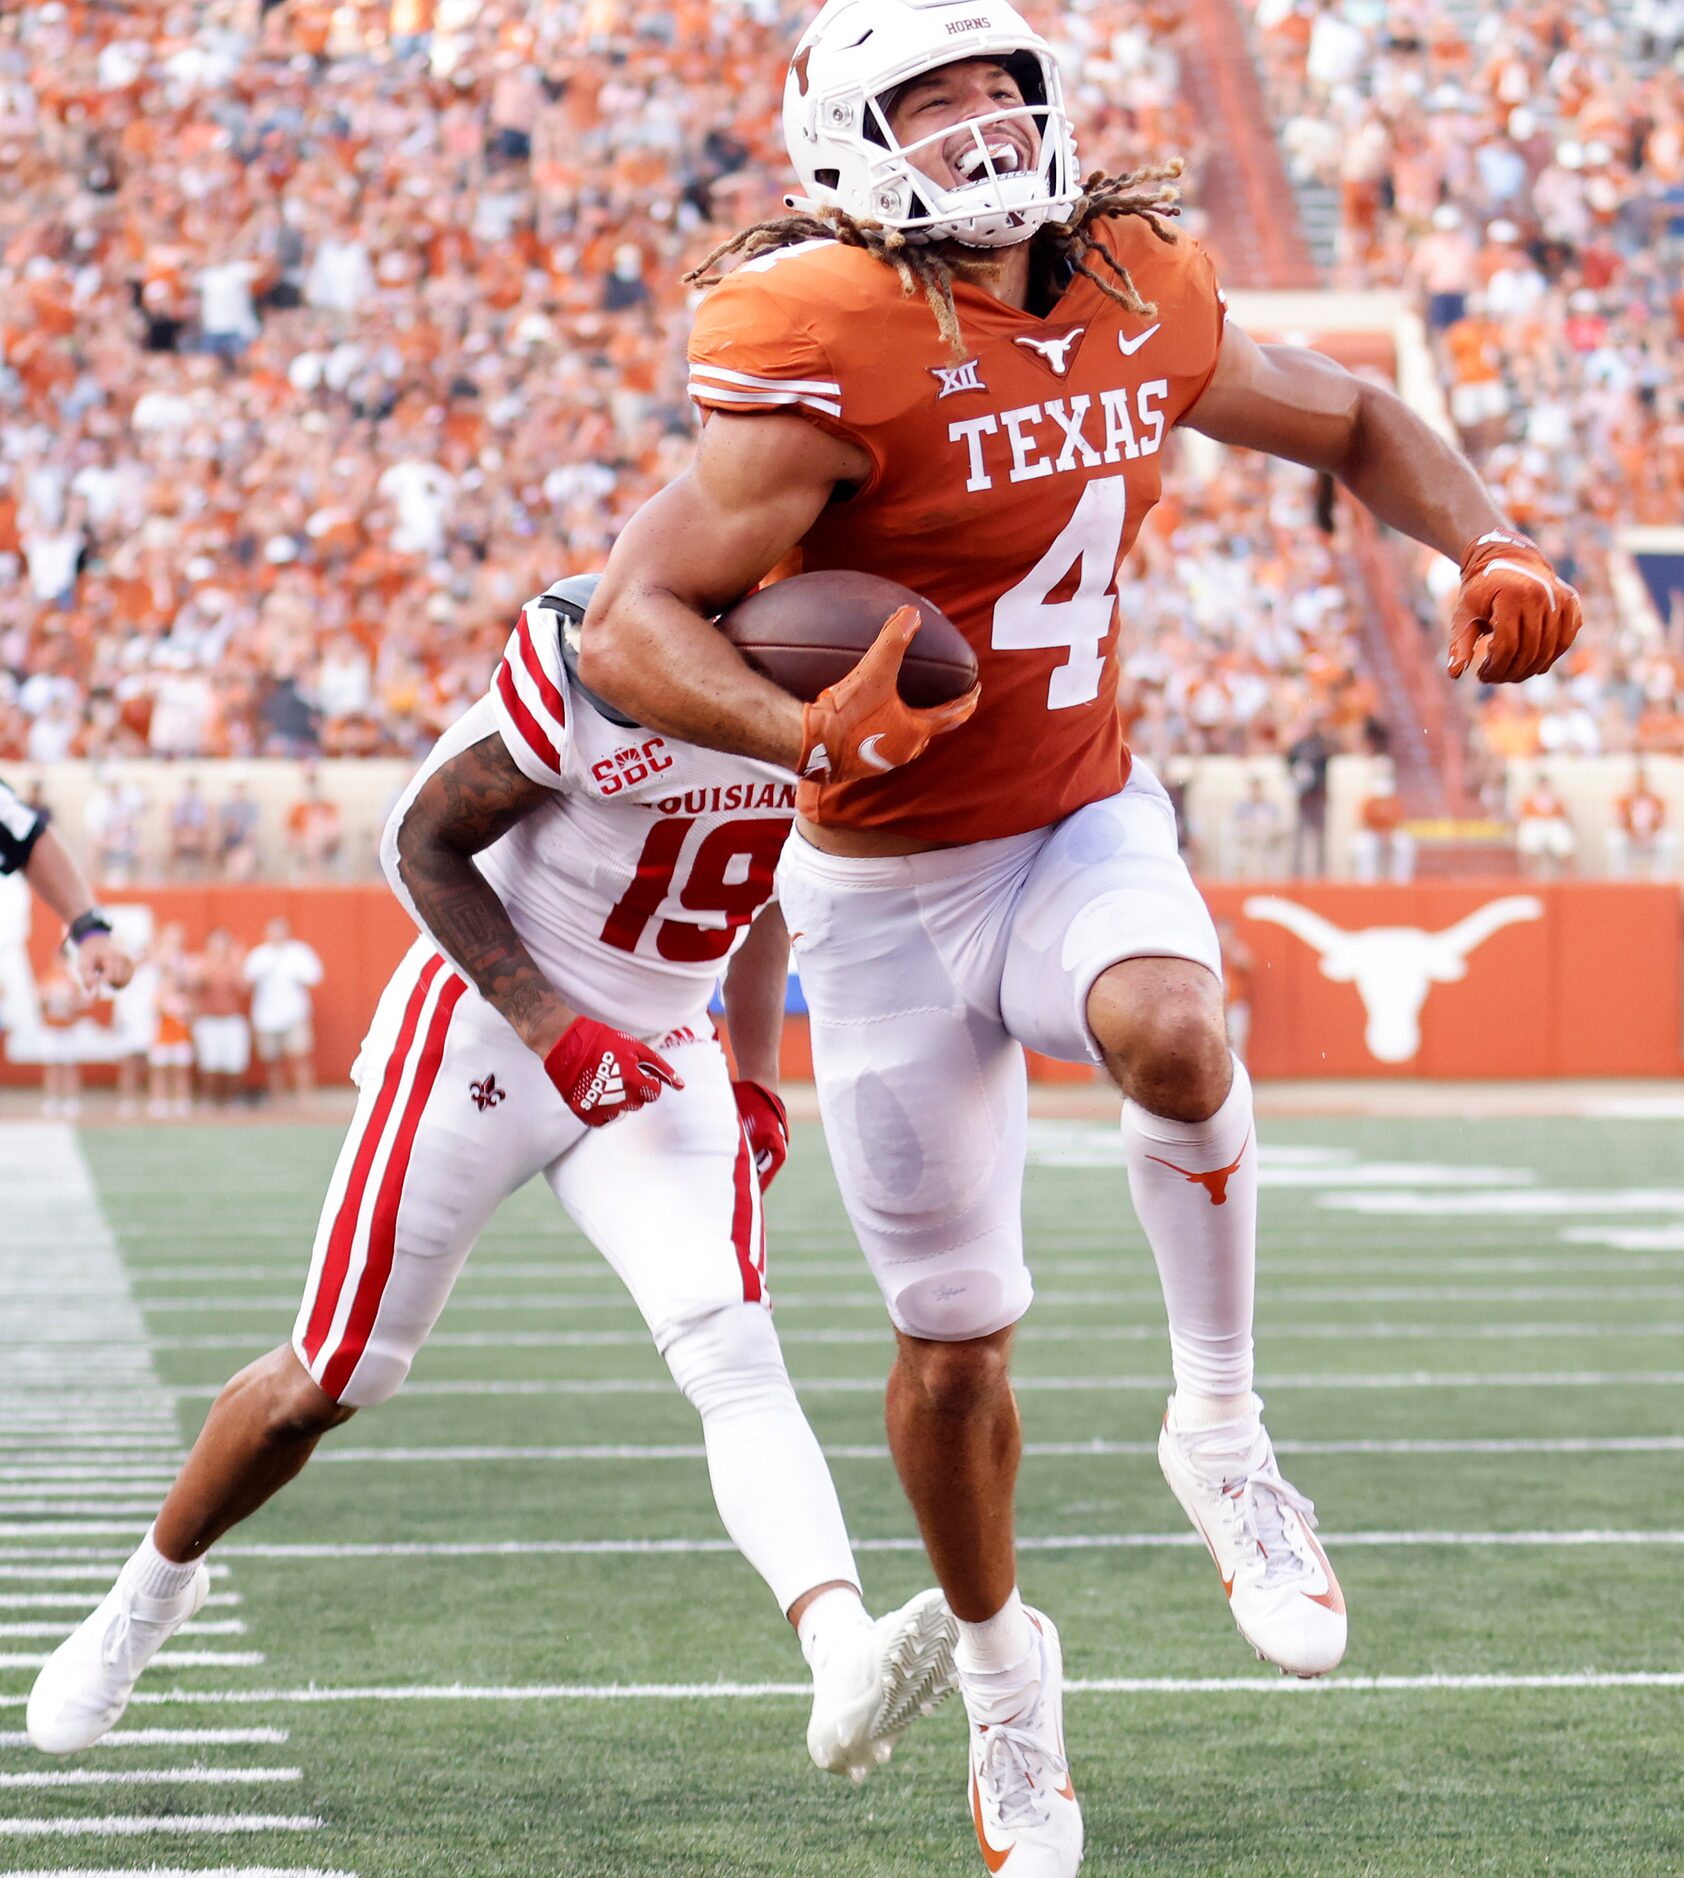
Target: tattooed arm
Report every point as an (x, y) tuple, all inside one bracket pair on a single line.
[(463, 806)]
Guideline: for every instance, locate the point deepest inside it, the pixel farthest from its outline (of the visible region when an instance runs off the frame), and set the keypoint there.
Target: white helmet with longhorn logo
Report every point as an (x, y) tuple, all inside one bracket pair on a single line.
[(851, 61)]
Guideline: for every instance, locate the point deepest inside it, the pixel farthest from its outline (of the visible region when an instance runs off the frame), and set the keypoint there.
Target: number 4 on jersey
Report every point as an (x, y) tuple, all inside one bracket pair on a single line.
[(1026, 619)]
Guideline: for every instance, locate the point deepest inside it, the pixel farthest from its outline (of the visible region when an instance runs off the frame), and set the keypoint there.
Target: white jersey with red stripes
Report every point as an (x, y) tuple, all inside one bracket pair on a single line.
[(637, 882)]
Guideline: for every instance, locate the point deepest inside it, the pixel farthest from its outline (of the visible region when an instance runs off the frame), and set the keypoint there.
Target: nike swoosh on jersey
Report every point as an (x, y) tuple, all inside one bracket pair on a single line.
[(869, 752), (1129, 347)]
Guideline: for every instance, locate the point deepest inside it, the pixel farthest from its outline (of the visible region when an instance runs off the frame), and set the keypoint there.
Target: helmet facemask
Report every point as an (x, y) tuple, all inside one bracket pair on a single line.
[(852, 64), (1003, 200)]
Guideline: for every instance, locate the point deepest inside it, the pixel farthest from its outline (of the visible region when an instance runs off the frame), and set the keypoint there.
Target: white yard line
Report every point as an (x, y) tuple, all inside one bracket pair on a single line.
[(1050, 1542), (219, 1627), (82, 1600), (1099, 1449), (1260, 1684), (21, 1562), (198, 1871), (873, 1385), (49, 1474), (84, 1398), (1430, 1201), (1051, 1297), (96, 1508), (174, 1738), (1637, 1251), (178, 1659), (176, 1825), (157, 1777), (1029, 1334), (1545, 1539)]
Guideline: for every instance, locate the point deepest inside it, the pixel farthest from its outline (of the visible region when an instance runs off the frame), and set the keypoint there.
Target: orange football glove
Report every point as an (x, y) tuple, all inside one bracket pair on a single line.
[(861, 726), (1511, 595)]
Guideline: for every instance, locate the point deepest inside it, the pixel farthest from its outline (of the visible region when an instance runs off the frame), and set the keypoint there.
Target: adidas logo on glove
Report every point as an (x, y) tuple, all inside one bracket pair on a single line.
[(626, 1076), (605, 1088)]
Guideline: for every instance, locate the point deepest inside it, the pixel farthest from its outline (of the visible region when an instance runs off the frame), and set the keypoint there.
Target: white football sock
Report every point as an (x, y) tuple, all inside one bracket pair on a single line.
[(1000, 1642), (1189, 1413), (1194, 1186), (834, 1618), (153, 1575), (770, 1481)]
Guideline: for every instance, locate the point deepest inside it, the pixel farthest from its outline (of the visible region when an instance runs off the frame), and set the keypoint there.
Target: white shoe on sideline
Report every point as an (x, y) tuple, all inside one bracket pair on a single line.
[(1260, 1531), (85, 1684), (1023, 1805), (870, 1691)]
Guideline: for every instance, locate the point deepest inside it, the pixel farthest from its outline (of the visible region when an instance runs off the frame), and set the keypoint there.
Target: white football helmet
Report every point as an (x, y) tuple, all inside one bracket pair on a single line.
[(849, 61)]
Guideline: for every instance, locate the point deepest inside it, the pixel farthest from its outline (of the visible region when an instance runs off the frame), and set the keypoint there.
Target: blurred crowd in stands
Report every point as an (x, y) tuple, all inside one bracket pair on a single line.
[(1520, 169), (330, 331), (333, 331)]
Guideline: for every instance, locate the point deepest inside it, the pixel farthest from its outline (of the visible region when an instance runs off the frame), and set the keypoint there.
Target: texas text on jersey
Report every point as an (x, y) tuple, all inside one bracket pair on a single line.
[(1007, 486), (636, 882)]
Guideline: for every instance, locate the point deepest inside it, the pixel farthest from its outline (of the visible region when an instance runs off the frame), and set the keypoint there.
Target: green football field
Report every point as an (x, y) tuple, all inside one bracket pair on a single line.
[(495, 1629)]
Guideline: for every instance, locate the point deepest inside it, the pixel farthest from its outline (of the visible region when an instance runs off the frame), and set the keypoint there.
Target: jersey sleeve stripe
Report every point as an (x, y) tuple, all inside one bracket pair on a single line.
[(548, 694), (531, 731), (827, 386), (760, 399)]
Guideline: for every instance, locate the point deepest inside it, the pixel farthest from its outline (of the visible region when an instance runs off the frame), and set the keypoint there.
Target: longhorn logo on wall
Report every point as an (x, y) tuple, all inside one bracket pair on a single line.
[(1394, 967)]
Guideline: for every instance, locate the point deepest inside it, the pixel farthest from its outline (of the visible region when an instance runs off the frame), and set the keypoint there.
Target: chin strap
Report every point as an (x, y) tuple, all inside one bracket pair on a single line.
[(804, 205)]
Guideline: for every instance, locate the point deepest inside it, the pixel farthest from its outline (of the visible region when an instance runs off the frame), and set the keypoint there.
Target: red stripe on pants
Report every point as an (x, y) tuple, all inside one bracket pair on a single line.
[(383, 1227), (742, 1221), (344, 1232)]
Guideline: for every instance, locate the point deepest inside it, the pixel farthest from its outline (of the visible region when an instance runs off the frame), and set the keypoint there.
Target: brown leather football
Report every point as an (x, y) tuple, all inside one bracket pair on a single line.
[(807, 632)]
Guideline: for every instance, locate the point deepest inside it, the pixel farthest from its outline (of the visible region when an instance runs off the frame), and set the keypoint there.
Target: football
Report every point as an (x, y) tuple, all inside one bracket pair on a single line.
[(807, 632)]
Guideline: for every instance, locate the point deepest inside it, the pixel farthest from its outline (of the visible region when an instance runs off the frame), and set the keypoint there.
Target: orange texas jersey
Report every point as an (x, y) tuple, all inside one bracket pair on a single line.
[(1006, 486)]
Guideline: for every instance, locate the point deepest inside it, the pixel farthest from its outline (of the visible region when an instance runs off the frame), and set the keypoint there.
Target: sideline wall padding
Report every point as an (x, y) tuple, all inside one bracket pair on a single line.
[(1549, 979)]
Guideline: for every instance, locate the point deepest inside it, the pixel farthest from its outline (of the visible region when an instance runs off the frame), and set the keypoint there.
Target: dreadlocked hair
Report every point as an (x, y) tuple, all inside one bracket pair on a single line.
[(1059, 248)]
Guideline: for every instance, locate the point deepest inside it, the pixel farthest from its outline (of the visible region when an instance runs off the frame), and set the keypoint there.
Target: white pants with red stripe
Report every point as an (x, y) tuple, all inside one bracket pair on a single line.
[(454, 1114)]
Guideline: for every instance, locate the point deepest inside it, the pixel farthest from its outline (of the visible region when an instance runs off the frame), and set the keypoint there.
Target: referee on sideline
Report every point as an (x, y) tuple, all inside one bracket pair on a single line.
[(27, 842)]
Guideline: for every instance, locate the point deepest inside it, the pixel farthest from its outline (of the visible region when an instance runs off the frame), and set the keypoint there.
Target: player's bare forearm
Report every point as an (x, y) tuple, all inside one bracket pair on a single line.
[(100, 963), (1413, 480), (464, 806), (52, 871), (755, 986), (649, 645), (1299, 404)]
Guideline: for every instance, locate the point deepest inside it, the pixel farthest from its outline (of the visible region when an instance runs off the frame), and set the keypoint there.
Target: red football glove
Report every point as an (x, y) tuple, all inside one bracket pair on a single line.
[(861, 726), (1512, 595), (603, 1074), (766, 1123)]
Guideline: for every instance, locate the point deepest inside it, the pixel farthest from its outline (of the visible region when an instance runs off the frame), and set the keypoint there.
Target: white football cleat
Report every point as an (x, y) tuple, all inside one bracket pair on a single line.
[(1023, 1805), (85, 1684), (869, 1693), (1260, 1531)]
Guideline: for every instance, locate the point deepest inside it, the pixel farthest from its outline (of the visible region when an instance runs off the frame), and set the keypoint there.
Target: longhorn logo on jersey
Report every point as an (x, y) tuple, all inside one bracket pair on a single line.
[(1054, 353), (957, 378)]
